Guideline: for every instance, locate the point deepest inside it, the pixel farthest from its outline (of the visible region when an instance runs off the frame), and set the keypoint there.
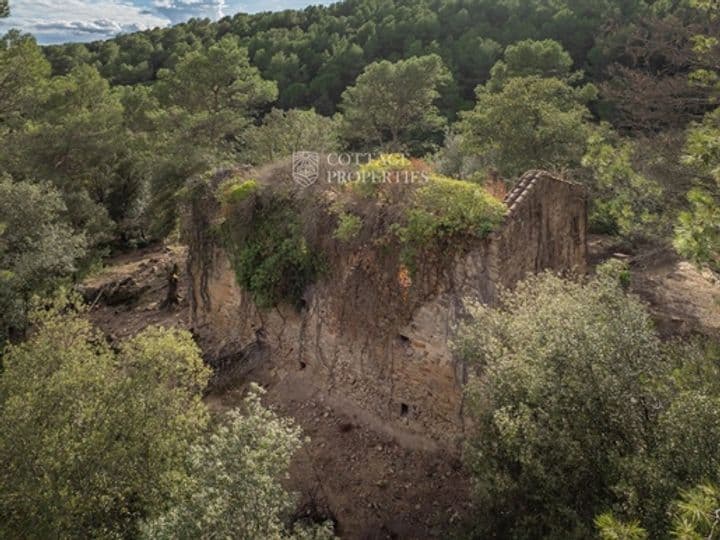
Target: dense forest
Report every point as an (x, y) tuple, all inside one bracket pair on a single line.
[(99, 140)]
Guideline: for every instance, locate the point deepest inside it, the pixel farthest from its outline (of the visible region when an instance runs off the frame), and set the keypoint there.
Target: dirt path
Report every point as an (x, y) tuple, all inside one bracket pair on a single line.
[(372, 486)]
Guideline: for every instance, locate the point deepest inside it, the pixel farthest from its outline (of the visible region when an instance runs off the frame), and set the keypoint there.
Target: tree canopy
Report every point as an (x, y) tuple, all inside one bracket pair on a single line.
[(528, 58), (391, 101), (530, 122), (115, 427), (38, 249), (116, 442), (575, 389)]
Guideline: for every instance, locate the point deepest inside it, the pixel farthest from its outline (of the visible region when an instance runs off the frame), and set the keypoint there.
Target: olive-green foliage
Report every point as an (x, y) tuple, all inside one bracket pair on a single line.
[(616, 270), (215, 89), (530, 122), (697, 232), (235, 490), (263, 235), (23, 59), (314, 54), (444, 211), (4, 8), (94, 439), (390, 101), (70, 130), (580, 408), (527, 58), (233, 192), (349, 226), (206, 102), (625, 202), (77, 141), (285, 132), (38, 249), (453, 159), (610, 528), (695, 516), (438, 212)]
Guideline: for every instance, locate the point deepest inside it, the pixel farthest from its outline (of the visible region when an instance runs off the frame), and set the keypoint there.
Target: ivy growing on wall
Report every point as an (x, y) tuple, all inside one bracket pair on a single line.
[(263, 236)]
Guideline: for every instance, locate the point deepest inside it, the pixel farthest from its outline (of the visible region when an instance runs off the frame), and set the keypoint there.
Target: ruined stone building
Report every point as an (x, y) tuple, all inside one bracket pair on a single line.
[(395, 372)]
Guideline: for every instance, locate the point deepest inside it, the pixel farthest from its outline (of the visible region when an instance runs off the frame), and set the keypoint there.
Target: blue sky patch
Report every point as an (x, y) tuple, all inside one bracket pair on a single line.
[(58, 21)]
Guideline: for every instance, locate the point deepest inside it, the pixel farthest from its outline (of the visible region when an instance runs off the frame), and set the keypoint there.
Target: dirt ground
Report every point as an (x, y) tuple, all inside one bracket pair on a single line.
[(373, 487), (370, 484)]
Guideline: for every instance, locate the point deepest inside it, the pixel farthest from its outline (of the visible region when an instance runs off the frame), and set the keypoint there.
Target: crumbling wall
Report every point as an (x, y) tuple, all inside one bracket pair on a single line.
[(397, 373), (546, 228), (404, 377)]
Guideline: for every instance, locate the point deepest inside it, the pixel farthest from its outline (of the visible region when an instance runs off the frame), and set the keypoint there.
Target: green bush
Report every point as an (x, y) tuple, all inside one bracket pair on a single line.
[(444, 210), (695, 516), (581, 409), (270, 255), (615, 270), (39, 249), (624, 201), (95, 438), (234, 192), (235, 488), (697, 233), (349, 226)]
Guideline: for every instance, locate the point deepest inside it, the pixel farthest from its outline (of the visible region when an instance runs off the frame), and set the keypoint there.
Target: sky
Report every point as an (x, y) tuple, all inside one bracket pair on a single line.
[(59, 21)]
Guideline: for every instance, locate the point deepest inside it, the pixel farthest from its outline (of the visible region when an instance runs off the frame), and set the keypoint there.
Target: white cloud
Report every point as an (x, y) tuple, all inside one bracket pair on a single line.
[(181, 10), (57, 21), (52, 21)]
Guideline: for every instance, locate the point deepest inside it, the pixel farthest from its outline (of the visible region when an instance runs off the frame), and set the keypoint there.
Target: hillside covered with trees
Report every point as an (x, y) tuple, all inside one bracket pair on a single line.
[(586, 422)]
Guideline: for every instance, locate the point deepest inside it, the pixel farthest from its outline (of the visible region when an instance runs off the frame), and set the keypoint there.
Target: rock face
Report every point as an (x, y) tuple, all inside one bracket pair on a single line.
[(398, 374)]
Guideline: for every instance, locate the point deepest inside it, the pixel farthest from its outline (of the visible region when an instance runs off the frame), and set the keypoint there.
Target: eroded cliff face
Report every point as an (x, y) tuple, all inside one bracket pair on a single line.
[(370, 342)]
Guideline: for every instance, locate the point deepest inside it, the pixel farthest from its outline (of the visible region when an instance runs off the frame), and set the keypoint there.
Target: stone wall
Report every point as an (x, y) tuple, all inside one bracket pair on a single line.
[(402, 377), (545, 229)]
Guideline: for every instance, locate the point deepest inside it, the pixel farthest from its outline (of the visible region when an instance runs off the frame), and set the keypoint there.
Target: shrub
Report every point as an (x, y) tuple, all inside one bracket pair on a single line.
[(436, 212), (284, 132), (235, 192), (695, 516), (38, 249), (235, 489), (270, 255), (625, 201), (697, 233), (444, 210), (92, 438), (579, 408), (349, 226), (615, 270)]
